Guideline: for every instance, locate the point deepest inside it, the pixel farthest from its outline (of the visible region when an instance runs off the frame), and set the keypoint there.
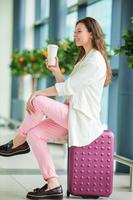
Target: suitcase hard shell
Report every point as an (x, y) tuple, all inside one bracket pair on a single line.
[(90, 168)]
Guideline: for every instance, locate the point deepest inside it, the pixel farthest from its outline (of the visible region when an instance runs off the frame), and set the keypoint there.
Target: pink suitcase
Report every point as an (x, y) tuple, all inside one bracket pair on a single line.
[(90, 168)]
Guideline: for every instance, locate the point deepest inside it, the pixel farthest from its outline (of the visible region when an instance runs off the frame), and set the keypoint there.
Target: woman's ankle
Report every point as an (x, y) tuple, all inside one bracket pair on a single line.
[(52, 183), (18, 140)]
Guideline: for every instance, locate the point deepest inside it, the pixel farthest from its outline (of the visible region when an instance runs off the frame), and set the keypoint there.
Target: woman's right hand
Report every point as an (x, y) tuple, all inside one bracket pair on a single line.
[(55, 69)]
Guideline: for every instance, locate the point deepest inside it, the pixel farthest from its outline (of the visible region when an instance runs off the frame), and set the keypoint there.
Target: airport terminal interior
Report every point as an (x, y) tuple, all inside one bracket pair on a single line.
[(29, 25)]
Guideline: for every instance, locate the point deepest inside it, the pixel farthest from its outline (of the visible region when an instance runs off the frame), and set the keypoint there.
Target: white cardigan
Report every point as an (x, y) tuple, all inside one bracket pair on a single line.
[(84, 89)]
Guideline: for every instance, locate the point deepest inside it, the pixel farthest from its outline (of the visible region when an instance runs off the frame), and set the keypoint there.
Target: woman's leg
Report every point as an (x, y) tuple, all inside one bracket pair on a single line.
[(38, 137), (44, 106)]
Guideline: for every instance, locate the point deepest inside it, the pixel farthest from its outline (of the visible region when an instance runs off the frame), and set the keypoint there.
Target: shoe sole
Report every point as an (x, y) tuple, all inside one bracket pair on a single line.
[(15, 153), (58, 197)]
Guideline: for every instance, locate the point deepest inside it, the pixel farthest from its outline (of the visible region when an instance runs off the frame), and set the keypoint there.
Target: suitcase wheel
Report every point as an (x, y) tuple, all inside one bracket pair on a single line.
[(90, 197), (68, 193)]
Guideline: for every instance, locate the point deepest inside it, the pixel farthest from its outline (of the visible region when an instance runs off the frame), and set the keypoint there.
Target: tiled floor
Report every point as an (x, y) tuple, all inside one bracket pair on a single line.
[(20, 174)]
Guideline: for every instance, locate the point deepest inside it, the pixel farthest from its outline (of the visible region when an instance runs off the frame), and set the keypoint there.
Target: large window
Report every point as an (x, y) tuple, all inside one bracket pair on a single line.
[(41, 23), (71, 21), (71, 18), (101, 11), (71, 2)]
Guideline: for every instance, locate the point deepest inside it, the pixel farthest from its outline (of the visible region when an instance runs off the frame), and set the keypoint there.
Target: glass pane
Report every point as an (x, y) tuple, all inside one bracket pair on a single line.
[(44, 8), (44, 35), (71, 2), (37, 9), (101, 11), (71, 21)]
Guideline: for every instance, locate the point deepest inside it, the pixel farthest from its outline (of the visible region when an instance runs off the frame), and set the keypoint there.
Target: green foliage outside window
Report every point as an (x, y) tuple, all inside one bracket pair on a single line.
[(33, 61), (127, 48)]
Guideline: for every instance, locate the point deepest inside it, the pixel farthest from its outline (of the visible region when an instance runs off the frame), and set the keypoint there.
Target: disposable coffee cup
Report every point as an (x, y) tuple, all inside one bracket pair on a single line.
[(52, 53)]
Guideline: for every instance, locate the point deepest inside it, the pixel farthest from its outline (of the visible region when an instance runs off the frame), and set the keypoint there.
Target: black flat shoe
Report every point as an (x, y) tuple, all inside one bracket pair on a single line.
[(42, 193), (6, 149)]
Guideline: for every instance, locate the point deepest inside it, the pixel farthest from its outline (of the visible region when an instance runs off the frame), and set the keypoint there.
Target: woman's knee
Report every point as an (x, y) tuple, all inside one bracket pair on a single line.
[(38, 101)]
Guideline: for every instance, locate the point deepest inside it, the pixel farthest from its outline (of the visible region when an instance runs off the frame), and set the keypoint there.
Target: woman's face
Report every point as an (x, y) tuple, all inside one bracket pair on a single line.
[(81, 35)]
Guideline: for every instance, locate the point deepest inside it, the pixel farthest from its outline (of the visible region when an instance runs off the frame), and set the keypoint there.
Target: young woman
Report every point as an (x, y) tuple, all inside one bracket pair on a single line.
[(78, 116)]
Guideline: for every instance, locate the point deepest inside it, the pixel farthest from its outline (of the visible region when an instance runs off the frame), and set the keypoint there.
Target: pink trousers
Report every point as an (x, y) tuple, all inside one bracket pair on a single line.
[(38, 130)]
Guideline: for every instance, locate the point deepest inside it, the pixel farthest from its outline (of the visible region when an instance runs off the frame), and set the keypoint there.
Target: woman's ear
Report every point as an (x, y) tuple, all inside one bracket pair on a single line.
[(90, 35)]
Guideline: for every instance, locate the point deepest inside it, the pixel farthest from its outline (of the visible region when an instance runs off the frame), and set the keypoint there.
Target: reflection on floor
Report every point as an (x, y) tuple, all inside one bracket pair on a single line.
[(20, 174)]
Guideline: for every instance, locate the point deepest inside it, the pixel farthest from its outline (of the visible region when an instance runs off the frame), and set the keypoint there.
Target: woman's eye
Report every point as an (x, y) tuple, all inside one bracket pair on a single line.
[(77, 32)]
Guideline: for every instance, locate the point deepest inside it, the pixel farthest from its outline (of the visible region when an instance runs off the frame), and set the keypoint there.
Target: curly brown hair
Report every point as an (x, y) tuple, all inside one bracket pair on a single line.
[(98, 43)]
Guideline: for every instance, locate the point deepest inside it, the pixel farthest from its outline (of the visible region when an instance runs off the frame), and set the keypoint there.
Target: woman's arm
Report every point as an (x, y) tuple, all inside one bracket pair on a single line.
[(50, 91), (89, 73), (58, 76)]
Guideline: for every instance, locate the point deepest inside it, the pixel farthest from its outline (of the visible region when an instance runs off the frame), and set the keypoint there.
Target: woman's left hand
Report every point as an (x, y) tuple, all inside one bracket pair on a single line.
[(30, 107)]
